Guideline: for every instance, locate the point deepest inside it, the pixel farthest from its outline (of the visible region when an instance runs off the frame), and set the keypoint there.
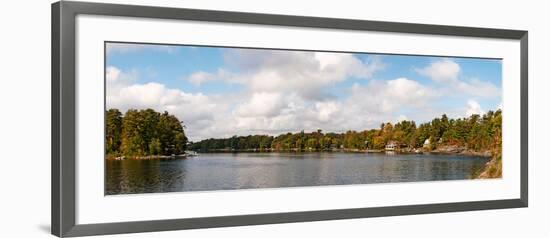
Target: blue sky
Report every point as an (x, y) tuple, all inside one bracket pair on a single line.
[(221, 92)]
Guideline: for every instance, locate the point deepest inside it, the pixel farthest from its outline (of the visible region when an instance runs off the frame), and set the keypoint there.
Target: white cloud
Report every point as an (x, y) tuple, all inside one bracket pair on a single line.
[(262, 104), (197, 111), (478, 88), (346, 64), (473, 107), (384, 101), (327, 110), (447, 73), (273, 113), (404, 91), (304, 73), (441, 71), (387, 96), (160, 98), (117, 79), (112, 74), (284, 90), (200, 77)]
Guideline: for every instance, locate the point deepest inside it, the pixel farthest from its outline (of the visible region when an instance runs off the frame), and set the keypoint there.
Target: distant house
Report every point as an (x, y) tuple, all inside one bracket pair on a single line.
[(426, 143), (392, 145)]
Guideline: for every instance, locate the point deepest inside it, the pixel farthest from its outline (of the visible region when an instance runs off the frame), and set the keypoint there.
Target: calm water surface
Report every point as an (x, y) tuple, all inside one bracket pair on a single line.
[(220, 171)]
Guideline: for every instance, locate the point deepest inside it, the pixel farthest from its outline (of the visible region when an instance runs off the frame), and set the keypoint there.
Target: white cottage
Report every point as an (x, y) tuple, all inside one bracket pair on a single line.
[(427, 143), (392, 145)]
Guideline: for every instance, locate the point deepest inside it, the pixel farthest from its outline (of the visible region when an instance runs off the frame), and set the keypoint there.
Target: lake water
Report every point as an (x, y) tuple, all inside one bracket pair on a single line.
[(221, 171)]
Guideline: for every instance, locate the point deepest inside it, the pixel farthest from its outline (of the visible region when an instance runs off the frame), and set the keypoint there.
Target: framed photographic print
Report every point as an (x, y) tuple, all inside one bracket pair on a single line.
[(211, 119)]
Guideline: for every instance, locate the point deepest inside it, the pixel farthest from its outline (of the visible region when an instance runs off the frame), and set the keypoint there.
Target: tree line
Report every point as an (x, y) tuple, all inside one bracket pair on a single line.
[(147, 132), (475, 133), (143, 133)]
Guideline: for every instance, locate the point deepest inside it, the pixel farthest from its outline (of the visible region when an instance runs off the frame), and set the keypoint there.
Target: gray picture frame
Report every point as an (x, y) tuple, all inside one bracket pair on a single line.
[(63, 207)]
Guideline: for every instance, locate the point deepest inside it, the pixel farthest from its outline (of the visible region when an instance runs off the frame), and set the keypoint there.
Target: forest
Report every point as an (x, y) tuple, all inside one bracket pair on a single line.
[(147, 132), (474, 133), (143, 133)]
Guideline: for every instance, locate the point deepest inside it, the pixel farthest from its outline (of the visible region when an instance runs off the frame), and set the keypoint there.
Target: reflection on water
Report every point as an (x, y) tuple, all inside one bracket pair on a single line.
[(222, 171)]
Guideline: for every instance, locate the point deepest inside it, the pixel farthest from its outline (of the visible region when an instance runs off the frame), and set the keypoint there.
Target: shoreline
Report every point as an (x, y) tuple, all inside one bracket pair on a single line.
[(465, 153), (442, 151), (484, 154), (149, 157), (462, 151)]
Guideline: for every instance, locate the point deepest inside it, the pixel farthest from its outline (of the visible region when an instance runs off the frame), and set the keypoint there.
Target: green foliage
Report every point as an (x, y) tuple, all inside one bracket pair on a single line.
[(494, 167), (147, 132), (155, 147), (113, 131), (475, 133), (144, 132)]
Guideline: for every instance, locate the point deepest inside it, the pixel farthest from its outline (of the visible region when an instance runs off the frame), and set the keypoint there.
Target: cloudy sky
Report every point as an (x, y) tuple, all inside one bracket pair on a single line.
[(221, 92)]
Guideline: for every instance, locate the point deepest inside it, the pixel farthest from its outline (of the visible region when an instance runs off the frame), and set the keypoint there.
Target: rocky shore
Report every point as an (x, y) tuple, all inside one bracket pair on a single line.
[(461, 150)]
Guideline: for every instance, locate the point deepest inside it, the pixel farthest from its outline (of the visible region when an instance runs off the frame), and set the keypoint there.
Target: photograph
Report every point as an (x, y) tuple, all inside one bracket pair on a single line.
[(168, 117), (182, 118)]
